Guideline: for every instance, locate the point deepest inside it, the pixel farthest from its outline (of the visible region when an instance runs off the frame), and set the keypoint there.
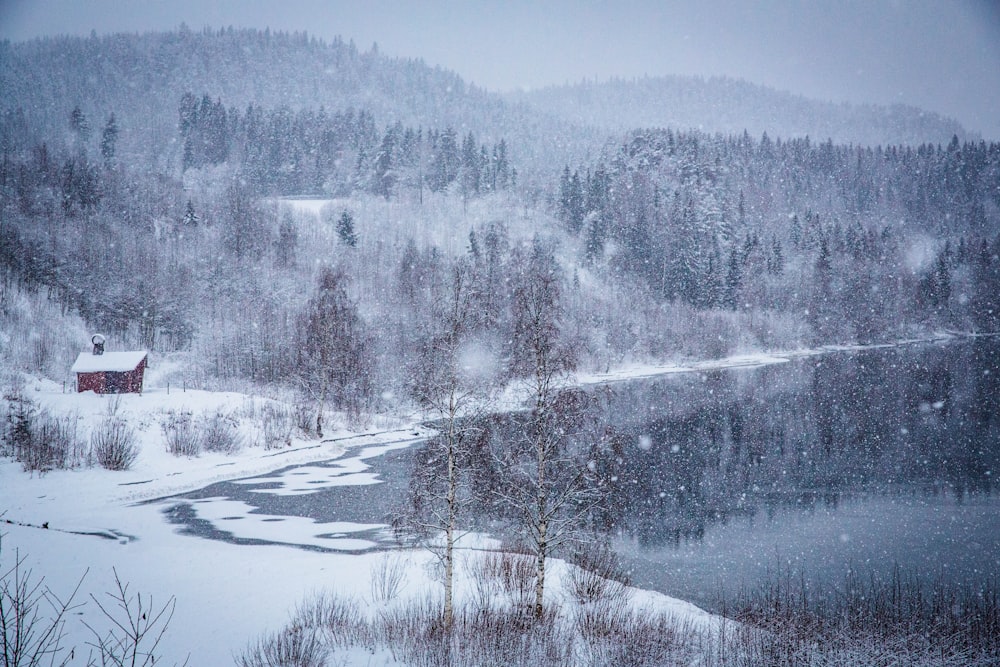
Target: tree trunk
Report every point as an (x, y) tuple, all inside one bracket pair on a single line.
[(449, 555), (542, 543), (319, 411), (540, 569)]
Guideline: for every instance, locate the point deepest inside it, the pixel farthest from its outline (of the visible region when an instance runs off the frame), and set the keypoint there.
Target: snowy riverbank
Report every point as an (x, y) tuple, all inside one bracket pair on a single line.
[(89, 522)]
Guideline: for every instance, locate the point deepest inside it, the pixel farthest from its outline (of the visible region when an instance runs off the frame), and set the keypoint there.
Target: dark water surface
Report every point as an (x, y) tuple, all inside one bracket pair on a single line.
[(859, 460), (848, 460), (339, 505)]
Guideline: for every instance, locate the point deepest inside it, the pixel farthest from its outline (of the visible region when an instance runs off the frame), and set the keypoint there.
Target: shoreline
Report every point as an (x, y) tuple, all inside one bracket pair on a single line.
[(85, 508)]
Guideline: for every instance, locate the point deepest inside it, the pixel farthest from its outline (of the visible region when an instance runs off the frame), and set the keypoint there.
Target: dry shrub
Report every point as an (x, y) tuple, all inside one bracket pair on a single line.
[(39, 440), (304, 416), (114, 444), (894, 620), (277, 424), (502, 576), (513, 636), (598, 576), (182, 438), (414, 632), (220, 433), (340, 618), (387, 574), (294, 646), (623, 635)]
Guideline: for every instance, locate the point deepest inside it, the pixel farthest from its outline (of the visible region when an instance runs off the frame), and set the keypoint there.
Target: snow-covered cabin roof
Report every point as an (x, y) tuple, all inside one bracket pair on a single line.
[(88, 362)]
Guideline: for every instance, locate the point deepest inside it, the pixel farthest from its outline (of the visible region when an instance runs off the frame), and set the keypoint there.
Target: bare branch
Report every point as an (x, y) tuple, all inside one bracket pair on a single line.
[(140, 628)]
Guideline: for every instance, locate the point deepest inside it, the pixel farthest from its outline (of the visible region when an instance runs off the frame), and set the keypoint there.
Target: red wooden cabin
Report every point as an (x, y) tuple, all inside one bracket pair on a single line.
[(109, 372)]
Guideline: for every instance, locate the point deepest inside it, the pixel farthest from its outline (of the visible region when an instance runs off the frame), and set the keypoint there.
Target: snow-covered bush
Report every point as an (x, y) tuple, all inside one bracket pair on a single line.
[(387, 575), (37, 439), (220, 433), (277, 423), (304, 416), (502, 576), (327, 610), (294, 646), (598, 576), (114, 444), (878, 621), (182, 438), (413, 632)]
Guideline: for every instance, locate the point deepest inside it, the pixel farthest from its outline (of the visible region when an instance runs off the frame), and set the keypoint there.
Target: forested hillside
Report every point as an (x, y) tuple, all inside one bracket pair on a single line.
[(141, 78), (731, 106), (140, 195), (857, 240)]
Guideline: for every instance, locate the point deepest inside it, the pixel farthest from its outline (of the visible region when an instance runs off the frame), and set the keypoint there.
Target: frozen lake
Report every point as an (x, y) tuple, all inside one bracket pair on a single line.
[(849, 460)]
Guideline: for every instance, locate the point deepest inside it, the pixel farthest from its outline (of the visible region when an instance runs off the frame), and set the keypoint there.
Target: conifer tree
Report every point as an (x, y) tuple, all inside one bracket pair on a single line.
[(445, 162), (109, 141), (501, 167), (776, 260), (287, 242), (191, 218), (474, 251), (384, 177), (594, 248), (821, 305), (345, 229), (734, 280), (471, 168), (79, 126)]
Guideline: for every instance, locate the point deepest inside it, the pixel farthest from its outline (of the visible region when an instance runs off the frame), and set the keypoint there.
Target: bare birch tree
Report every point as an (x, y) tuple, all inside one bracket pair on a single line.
[(454, 385), (546, 481)]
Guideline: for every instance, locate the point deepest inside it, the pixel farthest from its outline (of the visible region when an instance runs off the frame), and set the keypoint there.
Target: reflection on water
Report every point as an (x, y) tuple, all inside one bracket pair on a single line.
[(846, 460)]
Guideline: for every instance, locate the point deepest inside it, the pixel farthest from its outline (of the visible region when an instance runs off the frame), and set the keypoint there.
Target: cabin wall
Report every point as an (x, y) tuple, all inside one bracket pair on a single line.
[(90, 382), (113, 382), (134, 379)]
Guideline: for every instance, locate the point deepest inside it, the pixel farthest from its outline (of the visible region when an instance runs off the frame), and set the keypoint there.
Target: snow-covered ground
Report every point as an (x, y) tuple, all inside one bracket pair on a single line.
[(226, 594), (640, 371), (90, 523)]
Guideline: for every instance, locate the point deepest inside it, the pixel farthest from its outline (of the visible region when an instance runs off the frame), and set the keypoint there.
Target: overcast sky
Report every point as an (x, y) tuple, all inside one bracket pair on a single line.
[(941, 55)]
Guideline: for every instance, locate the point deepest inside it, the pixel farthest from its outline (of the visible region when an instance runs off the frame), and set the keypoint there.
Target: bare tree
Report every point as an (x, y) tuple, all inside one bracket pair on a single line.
[(33, 623), (545, 480), (137, 628), (334, 359), (246, 225), (32, 619), (455, 386)]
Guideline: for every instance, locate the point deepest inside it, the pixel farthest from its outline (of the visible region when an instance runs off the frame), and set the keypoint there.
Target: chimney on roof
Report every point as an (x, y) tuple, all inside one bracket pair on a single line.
[(98, 341)]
